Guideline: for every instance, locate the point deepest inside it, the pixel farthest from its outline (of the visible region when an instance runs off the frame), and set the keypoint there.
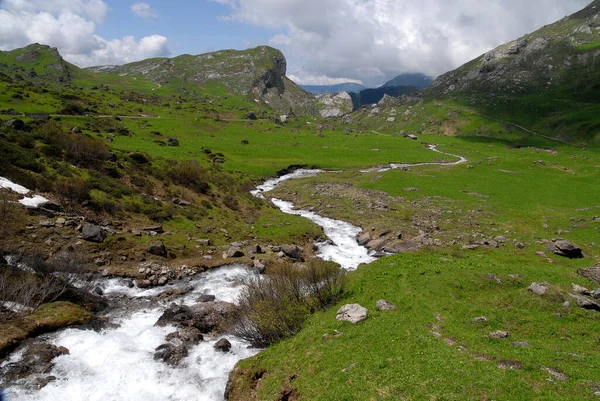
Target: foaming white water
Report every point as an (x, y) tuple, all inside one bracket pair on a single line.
[(118, 364), (343, 248), (270, 185), (224, 283)]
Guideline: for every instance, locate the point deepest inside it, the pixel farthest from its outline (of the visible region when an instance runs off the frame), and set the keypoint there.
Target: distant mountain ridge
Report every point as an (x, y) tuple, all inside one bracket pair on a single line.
[(258, 72), (344, 87), (417, 80)]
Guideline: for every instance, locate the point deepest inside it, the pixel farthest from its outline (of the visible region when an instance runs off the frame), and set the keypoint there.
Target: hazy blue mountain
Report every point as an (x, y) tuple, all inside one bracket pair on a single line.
[(419, 81), (345, 87)]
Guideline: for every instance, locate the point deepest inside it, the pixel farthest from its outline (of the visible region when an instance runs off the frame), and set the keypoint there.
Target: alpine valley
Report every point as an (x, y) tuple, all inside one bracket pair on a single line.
[(201, 227)]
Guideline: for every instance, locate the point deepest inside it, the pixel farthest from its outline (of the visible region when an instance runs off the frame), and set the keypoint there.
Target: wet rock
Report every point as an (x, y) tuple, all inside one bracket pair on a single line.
[(206, 298), (352, 313), (171, 354), (189, 335), (565, 248), (223, 345), (143, 283), (292, 251), (363, 238), (37, 359), (259, 267), (499, 335), (539, 288), (93, 233), (158, 249), (384, 305), (206, 317)]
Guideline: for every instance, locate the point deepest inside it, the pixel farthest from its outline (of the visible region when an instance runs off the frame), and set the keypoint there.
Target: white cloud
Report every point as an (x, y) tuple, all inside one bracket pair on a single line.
[(143, 10), (321, 80), (70, 25), (378, 39)]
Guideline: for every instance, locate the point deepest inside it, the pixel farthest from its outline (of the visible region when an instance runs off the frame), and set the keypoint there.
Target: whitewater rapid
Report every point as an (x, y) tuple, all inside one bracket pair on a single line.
[(118, 364)]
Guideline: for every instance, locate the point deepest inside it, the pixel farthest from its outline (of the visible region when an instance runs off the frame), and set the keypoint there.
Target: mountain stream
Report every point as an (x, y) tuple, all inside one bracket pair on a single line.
[(117, 364)]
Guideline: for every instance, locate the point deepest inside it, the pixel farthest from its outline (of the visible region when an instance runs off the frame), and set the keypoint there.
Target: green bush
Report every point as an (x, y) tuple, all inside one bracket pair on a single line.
[(191, 174), (73, 190), (275, 306)]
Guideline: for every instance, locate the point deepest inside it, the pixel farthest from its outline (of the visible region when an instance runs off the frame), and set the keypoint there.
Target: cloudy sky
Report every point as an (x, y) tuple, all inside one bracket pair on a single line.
[(325, 41)]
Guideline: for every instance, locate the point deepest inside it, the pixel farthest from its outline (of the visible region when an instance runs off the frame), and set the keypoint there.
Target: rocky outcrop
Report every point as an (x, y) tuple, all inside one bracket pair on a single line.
[(334, 104)]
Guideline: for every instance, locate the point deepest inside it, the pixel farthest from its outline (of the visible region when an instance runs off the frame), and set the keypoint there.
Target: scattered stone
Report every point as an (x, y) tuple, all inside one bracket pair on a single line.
[(143, 283), (384, 305), (470, 247), (556, 374), (234, 252), (223, 345), (412, 190), (47, 224), (565, 248), (510, 365), (93, 233), (158, 249), (585, 303), (539, 288), (352, 313), (17, 124), (348, 368), (499, 335), (592, 273), (577, 289), (494, 278), (173, 142), (520, 344), (292, 252), (181, 202), (480, 319), (251, 116), (596, 293)]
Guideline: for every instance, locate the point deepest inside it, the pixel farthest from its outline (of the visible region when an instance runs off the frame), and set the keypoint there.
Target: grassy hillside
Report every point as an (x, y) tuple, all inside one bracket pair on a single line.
[(545, 81), (431, 347)]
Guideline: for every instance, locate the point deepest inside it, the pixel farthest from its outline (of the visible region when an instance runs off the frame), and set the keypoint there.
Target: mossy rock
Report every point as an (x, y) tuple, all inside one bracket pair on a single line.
[(47, 318)]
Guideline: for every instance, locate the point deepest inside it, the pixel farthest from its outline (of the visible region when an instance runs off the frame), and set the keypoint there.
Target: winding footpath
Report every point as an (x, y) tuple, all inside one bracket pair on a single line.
[(117, 364)]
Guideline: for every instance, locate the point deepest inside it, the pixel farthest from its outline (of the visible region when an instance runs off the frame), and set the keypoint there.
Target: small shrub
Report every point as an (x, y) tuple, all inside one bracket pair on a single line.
[(191, 174), (82, 148), (13, 217), (275, 306), (74, 190)]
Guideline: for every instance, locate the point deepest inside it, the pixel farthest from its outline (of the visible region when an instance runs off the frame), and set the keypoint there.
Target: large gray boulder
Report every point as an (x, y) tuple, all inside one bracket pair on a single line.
[(352, 313), (564, 248), (93, 233)]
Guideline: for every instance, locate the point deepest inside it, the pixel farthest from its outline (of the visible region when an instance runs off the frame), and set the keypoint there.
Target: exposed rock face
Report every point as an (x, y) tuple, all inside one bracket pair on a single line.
[(352, 313), (334, 104), (93, 233), (534, 62), (565, 248)]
